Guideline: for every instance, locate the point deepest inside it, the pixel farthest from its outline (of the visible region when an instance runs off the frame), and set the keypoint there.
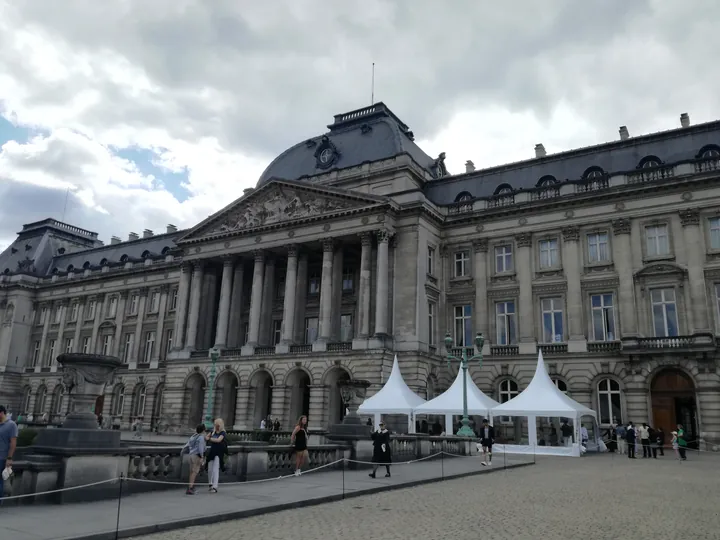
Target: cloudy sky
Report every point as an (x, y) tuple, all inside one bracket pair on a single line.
[(156, 112)]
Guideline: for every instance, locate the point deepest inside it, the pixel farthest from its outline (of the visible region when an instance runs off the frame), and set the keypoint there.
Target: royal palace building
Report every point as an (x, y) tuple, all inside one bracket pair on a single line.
[(356, 246)]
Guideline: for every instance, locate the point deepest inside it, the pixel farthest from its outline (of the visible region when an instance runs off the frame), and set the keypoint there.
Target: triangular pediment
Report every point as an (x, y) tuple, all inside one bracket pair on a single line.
[(660, 268), (281, 202)]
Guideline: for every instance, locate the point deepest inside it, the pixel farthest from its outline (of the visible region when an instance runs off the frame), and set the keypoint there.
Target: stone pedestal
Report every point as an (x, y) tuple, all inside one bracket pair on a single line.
[(353, 431)]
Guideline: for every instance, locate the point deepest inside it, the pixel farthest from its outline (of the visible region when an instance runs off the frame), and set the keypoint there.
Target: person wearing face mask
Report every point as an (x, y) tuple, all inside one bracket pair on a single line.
[(381, 450)]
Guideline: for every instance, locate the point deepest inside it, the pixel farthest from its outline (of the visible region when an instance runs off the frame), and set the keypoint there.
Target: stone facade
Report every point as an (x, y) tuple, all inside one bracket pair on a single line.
[(614, 274)]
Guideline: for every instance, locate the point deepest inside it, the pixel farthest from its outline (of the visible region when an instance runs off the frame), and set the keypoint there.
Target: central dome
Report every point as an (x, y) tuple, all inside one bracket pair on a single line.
[(361, 136)]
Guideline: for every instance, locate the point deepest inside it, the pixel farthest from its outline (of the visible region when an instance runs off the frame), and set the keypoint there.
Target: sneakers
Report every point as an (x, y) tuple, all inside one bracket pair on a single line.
[(298, 472), (484, 464), (190, 491), (371, 475)]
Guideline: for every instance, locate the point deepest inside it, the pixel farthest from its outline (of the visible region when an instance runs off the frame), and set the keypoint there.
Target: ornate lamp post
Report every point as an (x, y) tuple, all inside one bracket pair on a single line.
[(214, 354), (465, 430)]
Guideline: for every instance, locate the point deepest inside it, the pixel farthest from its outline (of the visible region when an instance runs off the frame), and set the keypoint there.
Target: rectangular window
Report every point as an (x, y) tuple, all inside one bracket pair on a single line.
[(311, 330), (168, 342), (86, 345), (277, 331), (127, 348), (505, 321), (246, 333), (173, 300), (657, 240), (69, 342), (154, 302), (149, 346), (51, 353), (314, 283), (74, 311), (91, 307), (503, 259), (431, 261), (598, 247), (463, 326), (549, 254), (43, 315), (134, 300), (552, 320), (664, 310), (714, 224), (603, 317), (36, 354), (107, 344), (346, 328), (462, 264), (348, 280), (57, 315), (431, 323), (280, 289), (112, 307)]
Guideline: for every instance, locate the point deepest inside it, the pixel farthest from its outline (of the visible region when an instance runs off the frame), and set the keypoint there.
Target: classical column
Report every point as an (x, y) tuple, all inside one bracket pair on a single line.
[(690, 220), (526, 321), (337, 292), (160, 330), (301, 298), (623, 262), (78, 325), (242, 408), (194, 308), (278, 407), (135, 356), (224, 308), (383, 274), (326, 288), (60, 345), (268, 301), (256, 298), (480, 247), (99, 310), (364, 285), (236, 300), (288, 322), (571, 261), (316, 415), (119, 318), (181, 311)]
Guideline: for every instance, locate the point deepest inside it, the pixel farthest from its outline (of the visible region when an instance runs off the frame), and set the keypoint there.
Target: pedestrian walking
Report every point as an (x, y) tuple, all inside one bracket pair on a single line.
[(621, 435), (487, 439), (8, 443), (630, 439), (567, 433), (137, 427), (660, 436), (644, 433), (216, 455), (675, 445), (382, 454), (195, 448), (299, 441), (682, 443)]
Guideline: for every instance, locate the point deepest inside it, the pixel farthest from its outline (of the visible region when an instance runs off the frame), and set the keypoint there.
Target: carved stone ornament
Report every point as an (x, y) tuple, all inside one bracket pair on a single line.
[(9, 313), (365, 239), (326, 154), (690, 217), (621, 226), (384, 235), (480, 245), (259, 255), (292, 250), (571, 234), (327, 245), (277, 205), (26, 266), (523, 240)]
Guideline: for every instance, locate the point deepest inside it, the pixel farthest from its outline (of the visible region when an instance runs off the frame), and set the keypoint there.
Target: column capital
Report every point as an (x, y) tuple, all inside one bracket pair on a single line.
[(690, 217), (571, 234), (228, 261), (444, 251), (143, 291), (124, 294), (165, 288), (523, 239), (621, 226), (198, 266), (292, 250), (186, 266), (384, 235), (480, 245), (328, 245), (365, 238), (259, 255)]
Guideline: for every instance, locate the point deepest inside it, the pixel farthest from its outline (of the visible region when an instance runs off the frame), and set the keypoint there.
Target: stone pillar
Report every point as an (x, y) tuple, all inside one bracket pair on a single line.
[(337, 292), (78, 325), (208, 309), (194, 308), (571, 260), (383, 274), (256, 297), (99, 310), (326, 287), (160, 331), (60, 347), (138, 348), (268, 300), (242, 408), (181, 311), (224, 308), (626, 290), (278, 408), (526, 320), (364, 285), (119, 317), (301, 298), (690, 220), (316, 416), (288, 322), (480, 247), (236, 300)]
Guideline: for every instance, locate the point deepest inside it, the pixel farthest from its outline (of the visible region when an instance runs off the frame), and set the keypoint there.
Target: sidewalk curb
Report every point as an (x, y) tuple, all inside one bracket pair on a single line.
[(241, 514)]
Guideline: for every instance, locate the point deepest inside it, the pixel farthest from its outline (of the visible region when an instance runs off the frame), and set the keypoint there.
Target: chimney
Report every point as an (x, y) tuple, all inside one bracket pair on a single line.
[(171, 228), (132, 236), (115, 240), (624, 133), (248, 190), (685, 120), (147, 233), (540, 150), (469, 166)]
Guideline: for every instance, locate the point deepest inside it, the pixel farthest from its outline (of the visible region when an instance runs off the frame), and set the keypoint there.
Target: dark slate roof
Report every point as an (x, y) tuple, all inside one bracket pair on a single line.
[(613, 157), (362, 136)]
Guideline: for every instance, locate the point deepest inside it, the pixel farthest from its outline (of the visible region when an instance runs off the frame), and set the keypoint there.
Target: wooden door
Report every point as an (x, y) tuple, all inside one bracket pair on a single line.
[(663, 408)]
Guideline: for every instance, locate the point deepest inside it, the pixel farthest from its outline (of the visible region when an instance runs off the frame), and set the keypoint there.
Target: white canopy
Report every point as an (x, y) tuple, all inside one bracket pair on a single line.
[(393, 398), (450, 402), (542, 398)]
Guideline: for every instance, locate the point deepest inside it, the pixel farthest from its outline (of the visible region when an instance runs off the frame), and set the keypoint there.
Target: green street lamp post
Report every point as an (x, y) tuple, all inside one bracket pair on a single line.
[(214, 354), (465, 430)]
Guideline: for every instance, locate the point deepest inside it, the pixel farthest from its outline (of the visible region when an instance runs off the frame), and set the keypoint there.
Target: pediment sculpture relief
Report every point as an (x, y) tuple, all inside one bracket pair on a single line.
[(280, 205)]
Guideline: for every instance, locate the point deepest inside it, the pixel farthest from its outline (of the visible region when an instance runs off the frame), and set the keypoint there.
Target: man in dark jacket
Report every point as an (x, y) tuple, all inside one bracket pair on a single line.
[(630, 438), (487, 439), (382, 454)]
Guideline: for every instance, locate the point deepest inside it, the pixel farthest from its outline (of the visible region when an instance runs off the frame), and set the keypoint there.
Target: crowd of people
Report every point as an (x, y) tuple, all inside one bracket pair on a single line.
[(629, 439)]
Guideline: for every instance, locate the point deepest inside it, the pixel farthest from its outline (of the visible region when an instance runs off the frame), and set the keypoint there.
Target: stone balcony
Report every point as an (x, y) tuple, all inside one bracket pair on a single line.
[(698, 343)]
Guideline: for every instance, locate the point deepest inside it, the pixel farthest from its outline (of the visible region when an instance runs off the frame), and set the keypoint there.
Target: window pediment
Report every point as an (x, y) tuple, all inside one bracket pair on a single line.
[(664, 269)]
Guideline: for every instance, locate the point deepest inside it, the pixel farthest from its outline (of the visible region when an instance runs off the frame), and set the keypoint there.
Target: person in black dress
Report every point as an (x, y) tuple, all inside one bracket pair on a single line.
[(381, 450), (299, 440), (487, 439)]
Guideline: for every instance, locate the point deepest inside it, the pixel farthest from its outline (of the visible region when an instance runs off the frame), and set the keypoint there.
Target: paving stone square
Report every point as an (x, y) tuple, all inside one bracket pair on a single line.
[(596, 497)]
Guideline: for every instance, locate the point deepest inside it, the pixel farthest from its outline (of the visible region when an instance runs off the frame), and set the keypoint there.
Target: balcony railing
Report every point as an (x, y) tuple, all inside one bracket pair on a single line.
[(458, 351), (501, 200), (504, 350), (701, 343), (603, 346), (300, 349), (545, 193), (343, 346), (553, 348), (651, 174), (265, 351), (592, 184), (460, 208), (707, 165), (679, 342)]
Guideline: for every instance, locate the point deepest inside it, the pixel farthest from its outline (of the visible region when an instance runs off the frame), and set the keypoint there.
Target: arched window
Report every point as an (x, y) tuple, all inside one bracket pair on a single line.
[(6, 272), (40, 399), (124, 259), (507, 390), (87, 265), (165, 250), (546, 188), (27, 394), (709, 152), (463, 197), (609, 401), (504, 189), (139, 397), (561, 385), (547, 181), (103, 262), (70, 268), (58, 400), (145, 254), (593, 172), (649, 162), (118, 401)]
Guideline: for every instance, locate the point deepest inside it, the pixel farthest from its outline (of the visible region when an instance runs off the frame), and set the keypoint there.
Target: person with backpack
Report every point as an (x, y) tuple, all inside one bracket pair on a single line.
[(216, 455), (195, 448)]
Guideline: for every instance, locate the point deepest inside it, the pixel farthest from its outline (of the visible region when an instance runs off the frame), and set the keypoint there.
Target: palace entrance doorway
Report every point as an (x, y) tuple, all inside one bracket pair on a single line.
[(674, 402)]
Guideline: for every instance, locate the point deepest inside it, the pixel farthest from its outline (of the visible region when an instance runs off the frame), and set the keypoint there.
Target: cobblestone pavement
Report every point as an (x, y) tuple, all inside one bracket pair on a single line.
[(596, 497)]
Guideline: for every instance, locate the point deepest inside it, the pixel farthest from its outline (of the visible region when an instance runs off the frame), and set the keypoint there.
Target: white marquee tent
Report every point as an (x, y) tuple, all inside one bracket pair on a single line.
[(450, 402), (395, 397), (543, 399)]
